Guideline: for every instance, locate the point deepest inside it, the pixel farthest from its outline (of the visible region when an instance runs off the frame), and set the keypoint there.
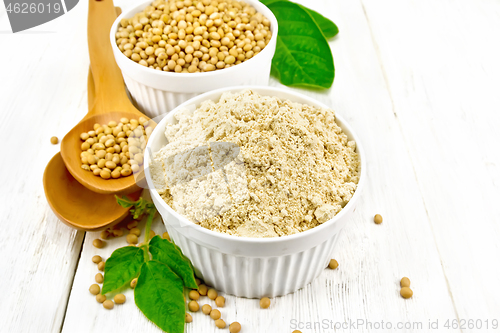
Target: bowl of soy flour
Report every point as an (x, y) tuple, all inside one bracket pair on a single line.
[(254, 184)]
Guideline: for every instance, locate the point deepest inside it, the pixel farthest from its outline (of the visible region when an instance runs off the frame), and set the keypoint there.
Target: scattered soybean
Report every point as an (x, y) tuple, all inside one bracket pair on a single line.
[(193, 306), (95, 289), (265, 302), (405, 282), (235, 327), (220, 301), (99, 278), (215, 314), (220, 323), (206, 309), (101, 265), (132, 239), (202, 289), (406, 292), (333, 264), (98, 243), (100, 298), (212, 294), (194, 295), (96, 259), (120, 299), (108, 304)]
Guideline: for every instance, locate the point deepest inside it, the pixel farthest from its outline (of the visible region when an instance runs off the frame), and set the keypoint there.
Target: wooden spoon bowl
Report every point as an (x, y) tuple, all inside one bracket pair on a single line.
[(77, 206), (71, 155), (112, 102)]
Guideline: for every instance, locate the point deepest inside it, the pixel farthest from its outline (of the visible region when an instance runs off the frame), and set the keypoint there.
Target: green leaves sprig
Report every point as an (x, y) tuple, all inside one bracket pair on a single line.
[(303, 57), (162, 271)]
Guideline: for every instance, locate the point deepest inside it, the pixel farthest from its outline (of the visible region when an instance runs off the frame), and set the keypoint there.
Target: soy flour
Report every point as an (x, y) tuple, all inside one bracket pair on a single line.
[(256, 166)]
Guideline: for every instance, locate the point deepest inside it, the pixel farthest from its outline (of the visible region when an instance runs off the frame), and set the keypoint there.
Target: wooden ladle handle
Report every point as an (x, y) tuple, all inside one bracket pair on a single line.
[(109, 86)]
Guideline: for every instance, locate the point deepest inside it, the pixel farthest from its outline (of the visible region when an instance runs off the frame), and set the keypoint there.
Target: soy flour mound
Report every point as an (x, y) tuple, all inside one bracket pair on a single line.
[(256, 166)]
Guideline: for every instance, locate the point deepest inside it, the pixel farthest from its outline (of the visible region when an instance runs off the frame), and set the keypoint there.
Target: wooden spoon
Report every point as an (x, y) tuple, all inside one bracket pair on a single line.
[(112, 102), (74, 204)]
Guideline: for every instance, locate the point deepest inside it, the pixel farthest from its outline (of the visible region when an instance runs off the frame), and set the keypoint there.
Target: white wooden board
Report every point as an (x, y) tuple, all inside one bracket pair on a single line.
[(444, 86), (417, 80)]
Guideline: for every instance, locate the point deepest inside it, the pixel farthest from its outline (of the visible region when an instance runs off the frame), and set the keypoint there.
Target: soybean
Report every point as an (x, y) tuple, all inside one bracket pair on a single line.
[(120, 299), (333, 264), (220, 323), (104, 234), (193, 306), (135, 231), (108, 304), (235, 327), (206, 309), (98, 243), (95, 289), (220, 301), (132, 239), (212, 294), (405, 282), (194, 295), (215, 314), (100, 266), (265, 302), (202, 290), (406, 292), (100, 298), (99, 278), (96, 259), (132, 225)]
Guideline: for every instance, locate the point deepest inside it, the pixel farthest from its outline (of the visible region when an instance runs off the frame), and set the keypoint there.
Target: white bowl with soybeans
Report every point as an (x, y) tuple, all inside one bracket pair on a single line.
[(170, 51), (255, 184)]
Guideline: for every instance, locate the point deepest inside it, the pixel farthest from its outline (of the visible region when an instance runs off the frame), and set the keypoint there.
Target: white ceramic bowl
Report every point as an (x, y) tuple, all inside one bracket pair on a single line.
[(254, 267), (157, 92)]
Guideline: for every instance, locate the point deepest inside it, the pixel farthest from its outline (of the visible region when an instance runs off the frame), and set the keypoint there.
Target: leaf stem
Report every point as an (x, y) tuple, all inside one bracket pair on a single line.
[(151, 211)]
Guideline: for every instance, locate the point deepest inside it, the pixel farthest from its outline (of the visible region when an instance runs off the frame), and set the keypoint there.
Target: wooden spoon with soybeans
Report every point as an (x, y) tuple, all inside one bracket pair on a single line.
[(74, 204), (111, 103)]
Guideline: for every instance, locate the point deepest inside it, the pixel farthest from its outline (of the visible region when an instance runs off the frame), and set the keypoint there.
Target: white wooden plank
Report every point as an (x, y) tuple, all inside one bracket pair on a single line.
[(443, 79), (372, 258), (41, 94)]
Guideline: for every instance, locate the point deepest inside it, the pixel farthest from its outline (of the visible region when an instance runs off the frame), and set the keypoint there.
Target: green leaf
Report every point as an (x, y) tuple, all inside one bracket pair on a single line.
[(169, 254), (328, 28), (159, 295), (268, 2), (124, 202), (303, 57), (123, 265), (140, 206)]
